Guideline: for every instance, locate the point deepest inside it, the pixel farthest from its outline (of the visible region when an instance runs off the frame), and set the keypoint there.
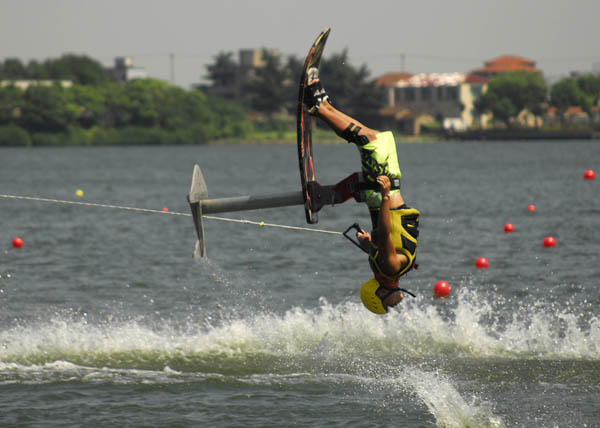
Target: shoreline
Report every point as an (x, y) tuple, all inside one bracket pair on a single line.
[(325, 138), (522, 134)]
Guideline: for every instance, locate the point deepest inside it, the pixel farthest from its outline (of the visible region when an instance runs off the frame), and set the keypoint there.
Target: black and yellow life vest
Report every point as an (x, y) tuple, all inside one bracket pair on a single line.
[(404, 233)]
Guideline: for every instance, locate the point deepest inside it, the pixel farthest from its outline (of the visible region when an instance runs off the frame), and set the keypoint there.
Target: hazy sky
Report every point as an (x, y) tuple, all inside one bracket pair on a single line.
[(434, 36)]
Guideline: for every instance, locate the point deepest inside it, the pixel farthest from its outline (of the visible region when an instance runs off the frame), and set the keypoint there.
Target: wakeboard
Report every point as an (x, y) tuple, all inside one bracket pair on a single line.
[(304, 129)]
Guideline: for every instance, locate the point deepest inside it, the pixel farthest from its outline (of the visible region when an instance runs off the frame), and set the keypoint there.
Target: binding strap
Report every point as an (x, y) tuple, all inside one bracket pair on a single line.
[(350, 134)]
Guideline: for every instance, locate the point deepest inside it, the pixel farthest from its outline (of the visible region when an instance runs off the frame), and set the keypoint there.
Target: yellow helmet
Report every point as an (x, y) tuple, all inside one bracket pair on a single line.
[(370, 299)]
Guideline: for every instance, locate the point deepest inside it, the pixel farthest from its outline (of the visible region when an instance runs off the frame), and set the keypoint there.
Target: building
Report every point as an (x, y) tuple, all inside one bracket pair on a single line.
[(417, 100), (24, 84), (505, 64), (421, 99), (124, 70)]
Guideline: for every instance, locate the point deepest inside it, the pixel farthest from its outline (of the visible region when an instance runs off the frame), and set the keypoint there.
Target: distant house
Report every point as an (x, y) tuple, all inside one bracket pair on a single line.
[(413, 101), (504, 64), (572, 115), (124, 70), (417, 100)]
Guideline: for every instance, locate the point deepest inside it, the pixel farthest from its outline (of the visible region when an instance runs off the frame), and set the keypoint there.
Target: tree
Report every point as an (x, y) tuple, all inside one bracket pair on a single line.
[(510, 93), (590, 86), (47, 109), (118, 112), (564, 94), (79, 69), (91, 104), (224, 71), (230, 117), (269, 88), (37, 70), (11, 101), (349, 87), (13, 68)]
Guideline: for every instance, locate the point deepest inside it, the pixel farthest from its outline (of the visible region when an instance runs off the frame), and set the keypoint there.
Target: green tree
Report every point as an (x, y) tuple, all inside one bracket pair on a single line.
[(350, 88), (47, 109), (224, 71), (269, 89), (37, 70), (294, 68), (117, 113), (11, 102), (142, 96), (12, 135), (91, 104), (590, 86), (566, 93), (231, 118), (80, 69), (509, 93), (13, 68)]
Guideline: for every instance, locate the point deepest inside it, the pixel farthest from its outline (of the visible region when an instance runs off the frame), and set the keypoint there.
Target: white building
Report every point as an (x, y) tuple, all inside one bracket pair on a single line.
[(448, 98), (124, 70)]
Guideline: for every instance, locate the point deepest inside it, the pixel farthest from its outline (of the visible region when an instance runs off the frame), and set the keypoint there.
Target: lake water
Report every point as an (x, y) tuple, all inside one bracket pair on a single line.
[(106, 320)]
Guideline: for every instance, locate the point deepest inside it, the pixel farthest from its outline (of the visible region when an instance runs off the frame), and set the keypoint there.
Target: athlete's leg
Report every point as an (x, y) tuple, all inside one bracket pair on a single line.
[(345, 126), (377, 150)]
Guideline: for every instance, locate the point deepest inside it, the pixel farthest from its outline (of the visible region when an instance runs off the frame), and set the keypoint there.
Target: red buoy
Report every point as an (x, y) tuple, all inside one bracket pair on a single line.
[(531, 208), (17, 242), (441, 289), (481, 263), (549, 241), (589, 174), (165, 209), (509, 228)]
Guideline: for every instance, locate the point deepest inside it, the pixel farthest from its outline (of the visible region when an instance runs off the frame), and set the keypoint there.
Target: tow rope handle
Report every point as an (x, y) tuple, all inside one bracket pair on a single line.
[(355, 242)]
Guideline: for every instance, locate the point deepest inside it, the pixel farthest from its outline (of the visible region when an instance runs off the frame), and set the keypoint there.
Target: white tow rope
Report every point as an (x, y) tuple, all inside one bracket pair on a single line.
[(146, 210)]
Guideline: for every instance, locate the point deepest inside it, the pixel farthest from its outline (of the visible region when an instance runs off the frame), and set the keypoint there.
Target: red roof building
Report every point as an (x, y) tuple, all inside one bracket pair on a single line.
[(390, 79), (504, 64)]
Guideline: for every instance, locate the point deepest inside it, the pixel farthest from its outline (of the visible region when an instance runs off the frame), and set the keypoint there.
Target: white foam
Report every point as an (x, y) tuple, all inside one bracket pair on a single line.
[(419, 329)]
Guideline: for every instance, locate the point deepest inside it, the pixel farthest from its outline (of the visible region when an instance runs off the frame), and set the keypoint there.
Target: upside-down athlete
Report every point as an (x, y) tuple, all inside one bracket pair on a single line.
[(392, 244)]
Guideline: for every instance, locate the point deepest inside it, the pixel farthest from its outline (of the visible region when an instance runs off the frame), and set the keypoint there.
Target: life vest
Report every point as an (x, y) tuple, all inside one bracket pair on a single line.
[(404, 233)]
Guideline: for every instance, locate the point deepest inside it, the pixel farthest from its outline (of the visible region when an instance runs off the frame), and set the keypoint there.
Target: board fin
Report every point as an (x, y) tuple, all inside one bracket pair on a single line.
[(198, 192)]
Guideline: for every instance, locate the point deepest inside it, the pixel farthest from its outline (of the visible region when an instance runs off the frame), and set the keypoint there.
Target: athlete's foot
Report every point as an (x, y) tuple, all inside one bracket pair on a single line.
[(314, 93)]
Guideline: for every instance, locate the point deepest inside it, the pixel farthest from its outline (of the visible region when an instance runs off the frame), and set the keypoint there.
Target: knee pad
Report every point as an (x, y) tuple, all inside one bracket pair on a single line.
[(350, 134)]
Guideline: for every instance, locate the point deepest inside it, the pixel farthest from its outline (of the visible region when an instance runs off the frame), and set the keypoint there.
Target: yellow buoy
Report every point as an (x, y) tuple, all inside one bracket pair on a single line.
[(79, 192)]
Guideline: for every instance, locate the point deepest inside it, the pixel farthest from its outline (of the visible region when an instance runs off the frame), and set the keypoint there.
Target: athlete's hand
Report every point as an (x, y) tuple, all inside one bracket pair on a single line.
[(385, 184), (364, 238)]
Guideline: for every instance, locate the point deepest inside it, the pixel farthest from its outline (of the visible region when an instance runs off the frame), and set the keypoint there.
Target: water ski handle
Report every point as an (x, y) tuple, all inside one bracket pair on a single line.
[(355, 242)]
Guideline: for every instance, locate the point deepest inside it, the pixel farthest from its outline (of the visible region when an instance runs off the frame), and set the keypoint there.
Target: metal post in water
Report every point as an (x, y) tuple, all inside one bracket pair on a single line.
[(200, 204), (246, 203)]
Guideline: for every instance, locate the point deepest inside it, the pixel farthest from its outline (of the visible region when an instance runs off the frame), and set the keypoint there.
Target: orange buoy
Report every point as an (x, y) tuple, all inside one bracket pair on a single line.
[(17, 242), (549, 241), (531, 208), (165, 209), (509, 228), (441, 290), (589, 174), (481, 263)]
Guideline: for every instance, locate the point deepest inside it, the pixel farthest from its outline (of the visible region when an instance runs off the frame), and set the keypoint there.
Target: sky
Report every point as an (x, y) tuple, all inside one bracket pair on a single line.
[(174, 40)]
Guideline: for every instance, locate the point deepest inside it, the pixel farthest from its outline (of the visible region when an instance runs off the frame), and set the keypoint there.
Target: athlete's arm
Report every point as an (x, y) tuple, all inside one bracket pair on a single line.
[(389, 259)]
